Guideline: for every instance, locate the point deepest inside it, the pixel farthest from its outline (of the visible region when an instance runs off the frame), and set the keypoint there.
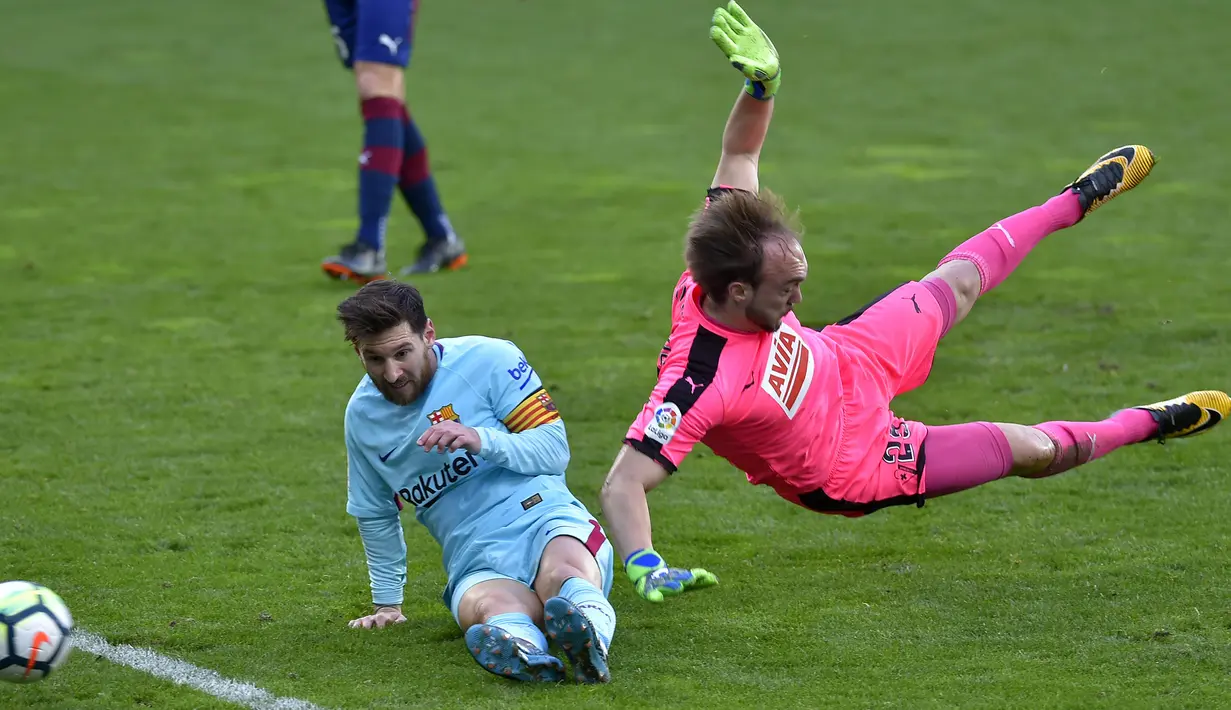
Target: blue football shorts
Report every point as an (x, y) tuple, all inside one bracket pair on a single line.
[(372, 30), (514, 549)]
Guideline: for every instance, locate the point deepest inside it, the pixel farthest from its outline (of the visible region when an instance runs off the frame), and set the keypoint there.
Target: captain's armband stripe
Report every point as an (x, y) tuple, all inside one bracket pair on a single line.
[(536, 410)]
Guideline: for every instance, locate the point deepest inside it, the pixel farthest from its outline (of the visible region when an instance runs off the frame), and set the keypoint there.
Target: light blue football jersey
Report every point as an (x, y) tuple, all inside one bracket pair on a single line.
[(484, 383)]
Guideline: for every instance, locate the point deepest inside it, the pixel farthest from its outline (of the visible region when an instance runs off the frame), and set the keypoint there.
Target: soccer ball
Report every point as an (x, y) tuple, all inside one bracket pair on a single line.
[(34, 629)]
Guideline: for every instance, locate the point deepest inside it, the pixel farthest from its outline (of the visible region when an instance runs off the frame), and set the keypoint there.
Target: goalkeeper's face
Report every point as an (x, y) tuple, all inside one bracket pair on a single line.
[(783, 270), (399, 361)]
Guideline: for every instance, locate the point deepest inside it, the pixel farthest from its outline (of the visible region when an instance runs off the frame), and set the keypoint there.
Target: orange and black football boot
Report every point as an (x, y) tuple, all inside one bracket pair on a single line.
[(1118, 171), (1189, 415), (356, 262)]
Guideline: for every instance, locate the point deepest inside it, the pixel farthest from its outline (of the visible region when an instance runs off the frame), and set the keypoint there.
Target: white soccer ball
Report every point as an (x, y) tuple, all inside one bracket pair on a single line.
[(34, 632)]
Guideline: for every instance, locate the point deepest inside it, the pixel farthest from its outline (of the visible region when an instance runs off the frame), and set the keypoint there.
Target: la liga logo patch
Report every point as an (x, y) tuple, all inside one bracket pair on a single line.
[(664, 423)]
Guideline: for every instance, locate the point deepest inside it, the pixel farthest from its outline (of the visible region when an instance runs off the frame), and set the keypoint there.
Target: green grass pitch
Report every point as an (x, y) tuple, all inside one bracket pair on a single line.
[(172, 380)]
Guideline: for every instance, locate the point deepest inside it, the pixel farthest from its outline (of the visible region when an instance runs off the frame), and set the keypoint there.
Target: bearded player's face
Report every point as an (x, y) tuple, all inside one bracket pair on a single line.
[(783, 270), (399, 361)]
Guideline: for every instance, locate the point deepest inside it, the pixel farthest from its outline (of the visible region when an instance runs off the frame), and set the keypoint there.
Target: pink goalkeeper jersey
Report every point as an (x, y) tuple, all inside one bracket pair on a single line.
[(782, 407)]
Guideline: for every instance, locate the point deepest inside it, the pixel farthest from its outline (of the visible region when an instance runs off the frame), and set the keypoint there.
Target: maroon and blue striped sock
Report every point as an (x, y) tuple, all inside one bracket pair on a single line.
[(417, 186), (379, 166)]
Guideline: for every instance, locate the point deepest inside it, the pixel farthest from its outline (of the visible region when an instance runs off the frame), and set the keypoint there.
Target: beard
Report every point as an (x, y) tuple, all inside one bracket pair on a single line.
[(406, 390), (769, 322)]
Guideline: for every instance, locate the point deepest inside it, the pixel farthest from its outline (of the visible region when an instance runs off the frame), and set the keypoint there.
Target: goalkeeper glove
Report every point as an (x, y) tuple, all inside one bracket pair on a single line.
[(748, 49), (655, 580)]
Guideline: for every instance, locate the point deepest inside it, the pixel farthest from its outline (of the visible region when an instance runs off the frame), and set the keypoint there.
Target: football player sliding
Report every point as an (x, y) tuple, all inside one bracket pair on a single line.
[(463, 430)]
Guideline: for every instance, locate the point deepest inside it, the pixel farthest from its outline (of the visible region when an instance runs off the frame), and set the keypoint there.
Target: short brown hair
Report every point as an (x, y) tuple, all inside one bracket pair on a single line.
[(725, 242), (379, 306)]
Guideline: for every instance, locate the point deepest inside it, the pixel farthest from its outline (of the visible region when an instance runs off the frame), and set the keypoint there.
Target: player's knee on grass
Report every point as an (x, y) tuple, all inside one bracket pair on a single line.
[(565, 557), (963, 278), (498, 596), (1033, 450), (374, 79)]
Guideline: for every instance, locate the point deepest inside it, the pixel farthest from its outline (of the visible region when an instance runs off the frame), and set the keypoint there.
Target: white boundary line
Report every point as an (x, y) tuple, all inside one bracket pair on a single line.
[(184, 673)]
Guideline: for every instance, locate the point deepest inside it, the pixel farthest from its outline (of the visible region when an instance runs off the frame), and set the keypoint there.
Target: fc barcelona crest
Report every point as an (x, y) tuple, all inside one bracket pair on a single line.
[(444, 414)]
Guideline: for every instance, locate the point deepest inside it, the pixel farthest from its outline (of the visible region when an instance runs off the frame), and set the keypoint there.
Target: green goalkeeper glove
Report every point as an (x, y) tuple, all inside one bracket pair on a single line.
[(655, 580), (748, 49)]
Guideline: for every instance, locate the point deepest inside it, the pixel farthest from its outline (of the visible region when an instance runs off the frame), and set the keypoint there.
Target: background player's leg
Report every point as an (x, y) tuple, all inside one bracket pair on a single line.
[(380, 164), (417, 186), (379, 51), (576, 612), (502, 619), (443, 250), (361, 260)]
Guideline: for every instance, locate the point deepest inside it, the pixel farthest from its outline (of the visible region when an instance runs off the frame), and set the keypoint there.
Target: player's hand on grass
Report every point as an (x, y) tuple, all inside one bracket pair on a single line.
[(748, 49), (450, 436), (655, 581), (382, 617)]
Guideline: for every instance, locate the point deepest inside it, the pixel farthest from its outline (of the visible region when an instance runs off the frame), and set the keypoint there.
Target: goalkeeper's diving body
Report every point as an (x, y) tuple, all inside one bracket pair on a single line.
[(463, 430), (807, 411)]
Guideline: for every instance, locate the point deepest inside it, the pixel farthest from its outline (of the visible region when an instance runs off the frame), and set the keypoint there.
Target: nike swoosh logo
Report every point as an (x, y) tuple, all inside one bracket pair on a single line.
[(40, 638), (1093, 446), (1007, 236), (1215, 416), (386, 456)]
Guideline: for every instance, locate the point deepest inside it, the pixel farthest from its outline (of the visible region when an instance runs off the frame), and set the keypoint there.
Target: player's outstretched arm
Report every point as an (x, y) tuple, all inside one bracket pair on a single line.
[(371, 502), (750, 51), (627, 514), (385, 549)]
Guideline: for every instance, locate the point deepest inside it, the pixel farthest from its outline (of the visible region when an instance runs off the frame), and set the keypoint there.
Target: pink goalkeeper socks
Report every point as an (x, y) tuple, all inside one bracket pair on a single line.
[(962, 456), (1000, 249), (1082, 442)]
